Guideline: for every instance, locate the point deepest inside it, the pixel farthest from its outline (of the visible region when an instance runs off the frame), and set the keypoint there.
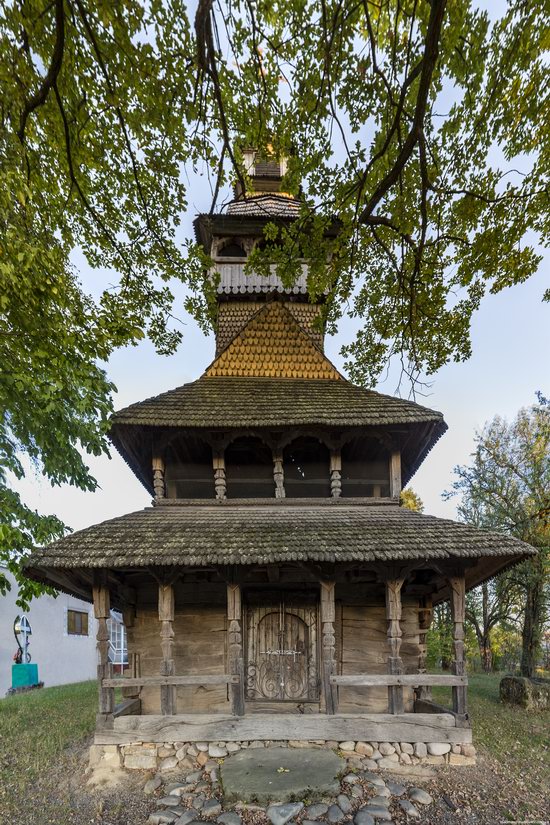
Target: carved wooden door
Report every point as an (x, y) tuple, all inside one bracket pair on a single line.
[(281, 648)]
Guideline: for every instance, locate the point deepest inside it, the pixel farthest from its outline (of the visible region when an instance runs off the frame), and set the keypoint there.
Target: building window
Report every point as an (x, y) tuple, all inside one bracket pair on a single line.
[(232, 250), (77, 623), (118, 650)]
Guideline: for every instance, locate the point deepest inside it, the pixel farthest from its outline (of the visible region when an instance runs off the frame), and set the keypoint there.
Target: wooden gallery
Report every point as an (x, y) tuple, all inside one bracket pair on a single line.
[(275, 590)]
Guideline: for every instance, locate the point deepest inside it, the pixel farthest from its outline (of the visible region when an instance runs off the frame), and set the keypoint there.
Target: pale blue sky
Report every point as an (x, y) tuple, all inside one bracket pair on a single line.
[(511, 347)]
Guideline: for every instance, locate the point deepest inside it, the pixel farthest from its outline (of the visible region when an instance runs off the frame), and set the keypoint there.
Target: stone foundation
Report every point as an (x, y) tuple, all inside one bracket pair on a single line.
[(186, 756)]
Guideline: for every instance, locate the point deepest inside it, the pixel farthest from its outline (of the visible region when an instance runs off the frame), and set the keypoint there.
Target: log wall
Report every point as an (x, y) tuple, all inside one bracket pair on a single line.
[(201, 646), (361, 634)]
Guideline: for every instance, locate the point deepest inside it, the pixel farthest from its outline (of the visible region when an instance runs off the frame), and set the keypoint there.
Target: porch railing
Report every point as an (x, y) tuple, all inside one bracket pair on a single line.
[(398, 681), (395, 680), (133, 704)]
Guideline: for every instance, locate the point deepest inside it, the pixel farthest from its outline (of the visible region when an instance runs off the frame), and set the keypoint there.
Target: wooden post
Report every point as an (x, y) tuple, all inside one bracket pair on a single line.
[(167, 668), (279, 475), (395, 474), (458, 613), (235, 639), (218, 461), (395, 663), (106, 695), (425, 613), (158, 477), (328, 617), (335, 474)]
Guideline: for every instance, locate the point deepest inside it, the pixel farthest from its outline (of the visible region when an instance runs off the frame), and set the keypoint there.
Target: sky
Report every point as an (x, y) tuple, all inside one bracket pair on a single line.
[(510, 362)]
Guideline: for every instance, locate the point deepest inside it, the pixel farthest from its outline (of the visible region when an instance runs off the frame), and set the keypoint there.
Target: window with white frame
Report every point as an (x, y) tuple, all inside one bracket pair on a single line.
[(118, 651)]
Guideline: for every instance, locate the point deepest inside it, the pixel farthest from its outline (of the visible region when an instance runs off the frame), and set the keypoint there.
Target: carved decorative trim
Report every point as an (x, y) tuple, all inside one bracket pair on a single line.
[(279, 475), (220, 485), (159, 486)]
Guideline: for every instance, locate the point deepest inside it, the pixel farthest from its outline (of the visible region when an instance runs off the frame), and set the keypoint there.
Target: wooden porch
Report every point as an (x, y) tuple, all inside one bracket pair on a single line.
[(199, 727), (125, 722)]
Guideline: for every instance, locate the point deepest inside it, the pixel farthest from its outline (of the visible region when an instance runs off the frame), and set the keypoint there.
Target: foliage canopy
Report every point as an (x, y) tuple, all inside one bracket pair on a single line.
[(506, 487), (421, 126)]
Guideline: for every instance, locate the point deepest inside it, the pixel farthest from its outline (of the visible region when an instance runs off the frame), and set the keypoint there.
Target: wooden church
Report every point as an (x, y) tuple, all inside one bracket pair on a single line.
[(275, 589)]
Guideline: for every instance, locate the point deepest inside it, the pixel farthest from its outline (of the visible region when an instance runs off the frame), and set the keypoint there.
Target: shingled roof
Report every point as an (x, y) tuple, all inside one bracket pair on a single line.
[(265, 205), (273, 345), (264, 402), (274, 531)]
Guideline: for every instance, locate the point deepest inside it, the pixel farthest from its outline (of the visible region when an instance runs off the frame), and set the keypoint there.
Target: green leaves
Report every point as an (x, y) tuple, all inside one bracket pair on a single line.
[(79, 175), (458, 217), (105, 107), (506, 487)]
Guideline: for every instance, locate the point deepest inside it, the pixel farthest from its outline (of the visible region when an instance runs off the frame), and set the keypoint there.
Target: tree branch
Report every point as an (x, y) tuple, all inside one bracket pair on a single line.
[(54, 69), (429, 58)]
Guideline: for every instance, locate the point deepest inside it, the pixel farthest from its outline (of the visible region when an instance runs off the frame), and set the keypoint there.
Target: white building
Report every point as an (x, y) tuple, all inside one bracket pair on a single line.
[(63, 642)]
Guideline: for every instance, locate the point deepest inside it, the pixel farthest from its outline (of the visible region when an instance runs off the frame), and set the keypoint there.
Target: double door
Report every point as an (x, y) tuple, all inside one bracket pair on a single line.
[(281, 649)]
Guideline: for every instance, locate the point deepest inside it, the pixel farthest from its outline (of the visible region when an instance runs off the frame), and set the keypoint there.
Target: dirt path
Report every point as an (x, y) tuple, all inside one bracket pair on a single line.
[(489, 794)]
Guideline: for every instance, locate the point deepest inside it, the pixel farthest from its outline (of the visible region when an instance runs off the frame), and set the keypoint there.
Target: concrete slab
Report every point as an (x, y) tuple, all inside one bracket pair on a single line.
[(280, 774)]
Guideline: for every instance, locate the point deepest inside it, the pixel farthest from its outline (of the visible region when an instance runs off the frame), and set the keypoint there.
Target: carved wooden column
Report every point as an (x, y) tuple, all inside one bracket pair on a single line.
[(395, 663), (279, 475), (167, 667), (336, 474), (235, 648), (328, 617), (218, 461), (158, 477), (395, 474), (458, 613), (425, 613), (102, 607)]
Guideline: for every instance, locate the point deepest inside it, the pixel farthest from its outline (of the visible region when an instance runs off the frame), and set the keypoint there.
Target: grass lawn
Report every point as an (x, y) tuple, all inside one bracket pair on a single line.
[(44, 736), (512, 778), (504, 730), (36, 729)]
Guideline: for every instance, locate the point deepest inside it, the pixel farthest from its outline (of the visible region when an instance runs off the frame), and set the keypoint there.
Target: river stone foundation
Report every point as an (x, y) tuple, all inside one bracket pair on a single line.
[(151, 756)]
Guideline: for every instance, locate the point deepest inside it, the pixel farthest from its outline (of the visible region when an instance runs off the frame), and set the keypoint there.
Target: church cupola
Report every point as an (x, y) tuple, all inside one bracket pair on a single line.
[(266, 173), (230, 237)]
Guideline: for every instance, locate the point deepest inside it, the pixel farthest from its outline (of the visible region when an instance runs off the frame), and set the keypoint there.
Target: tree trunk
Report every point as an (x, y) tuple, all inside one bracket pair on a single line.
[(533, 617), (485, 640), (486, 654)]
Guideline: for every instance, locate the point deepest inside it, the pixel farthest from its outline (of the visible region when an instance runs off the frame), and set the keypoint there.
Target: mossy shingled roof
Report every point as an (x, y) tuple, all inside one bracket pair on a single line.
[(233, 401), (265, 532)]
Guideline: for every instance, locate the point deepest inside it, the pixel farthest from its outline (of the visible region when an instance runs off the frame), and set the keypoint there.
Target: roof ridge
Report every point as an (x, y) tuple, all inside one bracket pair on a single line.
[(258, 195)]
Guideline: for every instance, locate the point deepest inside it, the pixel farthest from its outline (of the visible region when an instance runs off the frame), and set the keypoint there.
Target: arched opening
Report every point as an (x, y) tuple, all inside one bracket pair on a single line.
[(232, 250), (188, 469), (249, 469), (365, 469), (306, 463)]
